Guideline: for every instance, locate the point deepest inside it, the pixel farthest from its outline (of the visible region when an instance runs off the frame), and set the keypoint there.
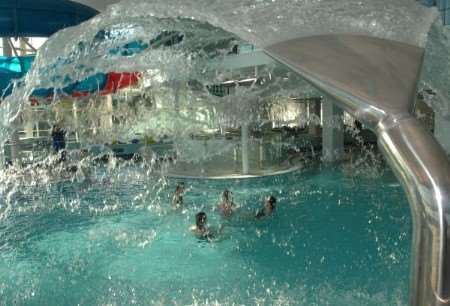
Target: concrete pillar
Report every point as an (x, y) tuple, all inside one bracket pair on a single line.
[(29, 128), (244, 145), (14, 141), (106, 113), (7, 51), (23, 46), (236, 165), (261, 153), (76, 120), (15, 146), (28, 123), (177, 97), (314, 117), (442, 131), (332, 132)]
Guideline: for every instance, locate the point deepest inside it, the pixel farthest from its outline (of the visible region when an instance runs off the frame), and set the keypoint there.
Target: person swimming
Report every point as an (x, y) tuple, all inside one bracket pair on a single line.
[(200, 229), (227, 206), (177, 198), (267, 209)]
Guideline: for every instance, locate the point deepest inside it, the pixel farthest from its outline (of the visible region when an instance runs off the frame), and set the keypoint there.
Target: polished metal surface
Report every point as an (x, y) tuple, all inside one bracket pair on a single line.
[(423, 168), (375, 80), (372, 77)]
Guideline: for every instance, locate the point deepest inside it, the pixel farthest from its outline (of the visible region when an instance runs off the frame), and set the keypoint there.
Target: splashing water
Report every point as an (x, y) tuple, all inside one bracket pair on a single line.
[(119, 209), (110, 242), (98, 45)]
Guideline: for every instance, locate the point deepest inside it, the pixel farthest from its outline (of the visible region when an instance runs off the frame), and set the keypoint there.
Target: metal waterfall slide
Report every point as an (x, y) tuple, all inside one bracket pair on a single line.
[(375, 80)]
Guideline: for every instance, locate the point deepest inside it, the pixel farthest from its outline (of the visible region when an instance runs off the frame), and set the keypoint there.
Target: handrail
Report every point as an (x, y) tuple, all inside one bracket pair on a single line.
[(375, 80)]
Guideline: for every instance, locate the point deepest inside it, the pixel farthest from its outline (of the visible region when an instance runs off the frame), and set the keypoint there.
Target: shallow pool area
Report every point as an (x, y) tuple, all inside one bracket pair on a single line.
[(333, 240)]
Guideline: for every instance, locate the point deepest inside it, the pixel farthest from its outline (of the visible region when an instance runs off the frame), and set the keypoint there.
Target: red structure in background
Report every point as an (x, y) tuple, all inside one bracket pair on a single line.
[(116, 81)]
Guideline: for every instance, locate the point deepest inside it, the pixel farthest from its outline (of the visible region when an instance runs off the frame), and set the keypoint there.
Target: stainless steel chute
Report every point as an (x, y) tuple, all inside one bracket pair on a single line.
[(375, 80)]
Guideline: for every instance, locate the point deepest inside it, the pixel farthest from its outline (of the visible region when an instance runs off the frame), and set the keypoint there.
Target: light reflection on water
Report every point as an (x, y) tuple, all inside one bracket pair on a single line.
[(334, 240)]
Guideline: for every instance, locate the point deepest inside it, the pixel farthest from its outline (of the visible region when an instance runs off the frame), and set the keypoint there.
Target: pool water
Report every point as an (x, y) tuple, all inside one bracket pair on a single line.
[(334, 240)]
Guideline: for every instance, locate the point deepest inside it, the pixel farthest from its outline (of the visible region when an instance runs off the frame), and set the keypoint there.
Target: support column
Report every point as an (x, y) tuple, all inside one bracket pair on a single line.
[(15, 146), (177, 88), (261, 153), (107, 113), (314, 117), (7, 51), (332, 132), (28, 123), (76, 120), (23, 46), (14, 140), (441, 131), (29, 128), (244, 145)]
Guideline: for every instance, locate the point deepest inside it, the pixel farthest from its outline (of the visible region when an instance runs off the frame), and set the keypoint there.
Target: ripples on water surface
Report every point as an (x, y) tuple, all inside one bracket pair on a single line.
[(113, 239), (334, 240)]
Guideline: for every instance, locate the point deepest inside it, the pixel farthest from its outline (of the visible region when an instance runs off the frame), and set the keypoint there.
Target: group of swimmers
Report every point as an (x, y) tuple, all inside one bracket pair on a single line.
[(226, 208)]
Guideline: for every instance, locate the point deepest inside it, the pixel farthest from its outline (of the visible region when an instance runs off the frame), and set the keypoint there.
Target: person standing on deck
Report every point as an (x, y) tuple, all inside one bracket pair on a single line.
[(58, 138), (59, 142)]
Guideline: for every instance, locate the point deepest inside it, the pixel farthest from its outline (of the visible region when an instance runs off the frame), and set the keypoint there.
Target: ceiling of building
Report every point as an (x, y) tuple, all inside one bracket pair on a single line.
[(99, 5)]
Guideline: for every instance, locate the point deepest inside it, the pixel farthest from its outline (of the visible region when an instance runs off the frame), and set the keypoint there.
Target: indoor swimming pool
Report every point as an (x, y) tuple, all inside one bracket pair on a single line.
[(334, 239), (337, 108)]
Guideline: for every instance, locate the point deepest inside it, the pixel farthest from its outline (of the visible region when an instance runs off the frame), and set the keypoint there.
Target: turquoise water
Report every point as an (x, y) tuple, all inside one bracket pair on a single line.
[(334, 240)]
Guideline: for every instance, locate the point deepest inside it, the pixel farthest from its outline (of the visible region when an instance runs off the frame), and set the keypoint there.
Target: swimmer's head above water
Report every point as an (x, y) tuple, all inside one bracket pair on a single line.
[(202, 230), (177, 198), (200, 220), (180, 188), (270, 202), (268, 208), (227, 206), (226, 195)]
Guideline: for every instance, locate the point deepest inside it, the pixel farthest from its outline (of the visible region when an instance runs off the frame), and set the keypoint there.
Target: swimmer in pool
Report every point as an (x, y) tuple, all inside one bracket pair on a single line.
[(227, 206), (177, 198), (267, 209), (200, 229)]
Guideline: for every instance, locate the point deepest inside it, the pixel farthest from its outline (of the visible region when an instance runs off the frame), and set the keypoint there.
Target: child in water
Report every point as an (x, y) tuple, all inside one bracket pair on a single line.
[(200, 229), (227, 206), (267, 209), (177, 198)]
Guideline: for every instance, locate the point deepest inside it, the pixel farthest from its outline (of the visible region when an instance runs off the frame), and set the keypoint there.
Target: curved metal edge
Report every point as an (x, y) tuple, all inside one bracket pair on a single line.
[(423, 168), (371, 77), (417, 159)]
